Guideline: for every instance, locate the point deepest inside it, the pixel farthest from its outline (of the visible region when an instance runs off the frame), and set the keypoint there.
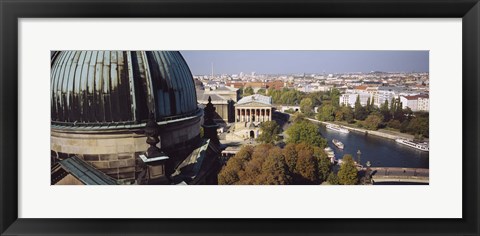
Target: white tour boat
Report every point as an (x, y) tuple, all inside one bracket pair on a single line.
[(338, 128), (419, 146), (329, 151), (338, 144), (330, 154)]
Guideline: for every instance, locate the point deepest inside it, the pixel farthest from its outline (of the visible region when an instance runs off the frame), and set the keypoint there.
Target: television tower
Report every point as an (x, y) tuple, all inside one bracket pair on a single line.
[(212, 70)]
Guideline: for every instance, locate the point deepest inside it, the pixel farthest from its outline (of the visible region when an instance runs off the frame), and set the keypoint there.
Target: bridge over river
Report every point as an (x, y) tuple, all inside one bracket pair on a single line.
[(398, 174)]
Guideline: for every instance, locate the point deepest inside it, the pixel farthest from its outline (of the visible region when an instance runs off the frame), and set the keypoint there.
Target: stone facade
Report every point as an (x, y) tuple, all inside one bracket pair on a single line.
[(250, 112), (253, 114), (116, 153), (223, 100)]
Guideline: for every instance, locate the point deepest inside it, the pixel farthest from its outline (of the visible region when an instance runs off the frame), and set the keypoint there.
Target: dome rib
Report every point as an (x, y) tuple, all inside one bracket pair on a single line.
[(111, 88)]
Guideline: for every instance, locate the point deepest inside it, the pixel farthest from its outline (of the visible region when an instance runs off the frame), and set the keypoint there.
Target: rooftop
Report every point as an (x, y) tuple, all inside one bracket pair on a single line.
[(216, 99), (85, 173), (415, 97), (256, 98)]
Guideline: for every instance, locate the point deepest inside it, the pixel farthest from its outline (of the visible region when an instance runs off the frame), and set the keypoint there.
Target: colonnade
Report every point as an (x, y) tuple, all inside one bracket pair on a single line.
[(253, 114)]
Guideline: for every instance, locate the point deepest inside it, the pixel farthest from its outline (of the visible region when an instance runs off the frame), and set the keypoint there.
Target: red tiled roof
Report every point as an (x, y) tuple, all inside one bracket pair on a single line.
[(416, 97), (361, 87)]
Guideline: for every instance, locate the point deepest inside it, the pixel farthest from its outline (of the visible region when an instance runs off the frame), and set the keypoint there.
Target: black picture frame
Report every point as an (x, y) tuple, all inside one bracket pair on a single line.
[(11, 11)]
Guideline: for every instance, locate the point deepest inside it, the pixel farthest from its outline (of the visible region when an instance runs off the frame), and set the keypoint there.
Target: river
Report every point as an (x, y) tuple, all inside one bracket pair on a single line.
[(381, 152)]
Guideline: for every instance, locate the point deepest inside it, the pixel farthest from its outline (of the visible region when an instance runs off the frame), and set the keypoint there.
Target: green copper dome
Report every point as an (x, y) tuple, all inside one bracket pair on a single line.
[(119, 88)]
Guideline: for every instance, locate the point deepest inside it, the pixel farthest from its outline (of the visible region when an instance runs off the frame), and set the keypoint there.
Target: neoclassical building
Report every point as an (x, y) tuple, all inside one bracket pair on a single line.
[(250, 111)]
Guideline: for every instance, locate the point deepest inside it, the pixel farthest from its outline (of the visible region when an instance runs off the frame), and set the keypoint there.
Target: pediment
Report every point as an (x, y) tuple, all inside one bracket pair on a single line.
[(253, 104)]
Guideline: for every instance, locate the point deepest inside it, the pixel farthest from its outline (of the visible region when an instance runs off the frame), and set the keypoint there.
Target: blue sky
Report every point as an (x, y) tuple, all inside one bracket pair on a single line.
[(297, 62)]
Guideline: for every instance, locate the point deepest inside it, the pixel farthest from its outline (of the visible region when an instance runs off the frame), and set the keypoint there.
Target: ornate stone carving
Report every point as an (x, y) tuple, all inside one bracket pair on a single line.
[(209, 113), (152, 130)]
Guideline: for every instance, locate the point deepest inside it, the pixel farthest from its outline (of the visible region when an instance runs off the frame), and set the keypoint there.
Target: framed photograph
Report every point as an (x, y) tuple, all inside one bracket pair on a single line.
[(224, 117)]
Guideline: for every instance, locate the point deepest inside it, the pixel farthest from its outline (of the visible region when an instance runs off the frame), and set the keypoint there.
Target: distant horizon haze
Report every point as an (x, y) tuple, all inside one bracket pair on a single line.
[(308, 62)]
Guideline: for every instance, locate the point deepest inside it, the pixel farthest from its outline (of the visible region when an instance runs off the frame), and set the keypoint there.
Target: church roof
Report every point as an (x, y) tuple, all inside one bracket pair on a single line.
[(197, 165), (84, 172), (256, 98), (106, 88)]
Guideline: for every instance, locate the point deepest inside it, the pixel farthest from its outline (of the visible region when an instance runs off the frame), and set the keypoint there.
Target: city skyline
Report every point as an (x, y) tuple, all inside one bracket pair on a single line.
[(310, 62)]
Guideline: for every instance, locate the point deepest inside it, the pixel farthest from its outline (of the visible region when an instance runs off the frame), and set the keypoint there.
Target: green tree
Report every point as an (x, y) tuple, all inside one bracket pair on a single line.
[(408, 112), (240, 92), (262, 91), (373, 121), (384, 109), (399, 115), (248, 91), (335, 97), (348, 174), (327, 113), (393, 107), (367, 107), (276, 96), (344, 113), (307, 132), (297, 117), (316, 97), (324, 167), (290, 97), (359, 111), (339, 114), (419, 125), (270, 131), (333, 179), (306, 106)]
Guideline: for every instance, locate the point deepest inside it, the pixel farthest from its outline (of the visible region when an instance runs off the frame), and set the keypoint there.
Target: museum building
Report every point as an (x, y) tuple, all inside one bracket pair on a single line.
[(250, 112)]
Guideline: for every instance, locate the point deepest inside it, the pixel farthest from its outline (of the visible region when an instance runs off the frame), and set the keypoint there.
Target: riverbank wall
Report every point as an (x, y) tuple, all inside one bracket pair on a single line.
[(368, 132)]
